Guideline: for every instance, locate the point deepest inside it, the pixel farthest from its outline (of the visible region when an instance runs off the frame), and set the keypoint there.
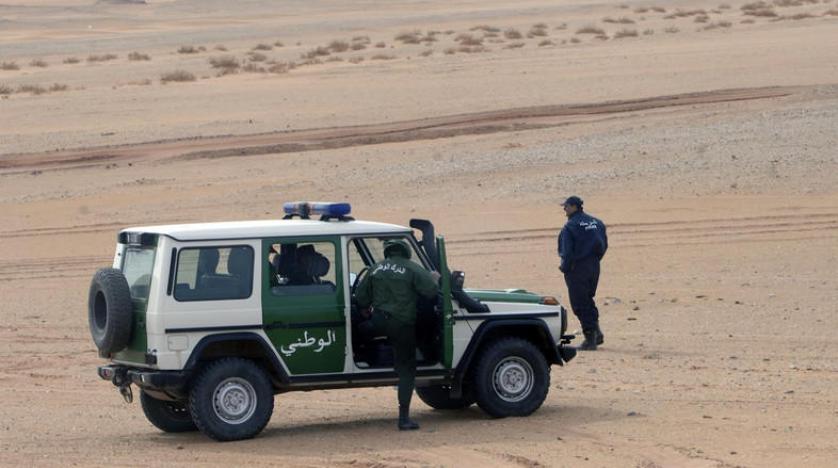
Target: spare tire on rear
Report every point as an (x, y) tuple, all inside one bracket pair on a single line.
[(109, 310)]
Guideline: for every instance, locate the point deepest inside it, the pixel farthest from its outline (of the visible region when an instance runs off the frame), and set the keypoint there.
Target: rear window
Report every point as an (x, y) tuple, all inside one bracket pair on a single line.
[(137, 264), (214, 273)]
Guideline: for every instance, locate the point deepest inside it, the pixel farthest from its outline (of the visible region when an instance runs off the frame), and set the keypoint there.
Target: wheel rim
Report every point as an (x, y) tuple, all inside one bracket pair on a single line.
[(513, 379), (234, 400)]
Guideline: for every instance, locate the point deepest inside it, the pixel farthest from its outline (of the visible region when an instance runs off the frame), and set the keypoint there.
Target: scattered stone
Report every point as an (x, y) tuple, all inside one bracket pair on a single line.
[(631, 413), (789, 392), (631, 318), (636, 308)]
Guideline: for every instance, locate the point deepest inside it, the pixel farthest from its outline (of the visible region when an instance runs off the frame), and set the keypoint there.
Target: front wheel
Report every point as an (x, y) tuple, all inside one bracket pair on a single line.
[(231, 399), (439, 397), (511, 378), (168, 416)]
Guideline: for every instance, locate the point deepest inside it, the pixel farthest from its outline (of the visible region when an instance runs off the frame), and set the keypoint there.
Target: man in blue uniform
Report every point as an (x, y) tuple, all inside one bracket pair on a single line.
[(582, 244)]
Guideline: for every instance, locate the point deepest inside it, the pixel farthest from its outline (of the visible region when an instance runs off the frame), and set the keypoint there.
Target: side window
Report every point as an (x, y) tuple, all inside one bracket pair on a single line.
[(214, 273), (376, 249), (302, 268)]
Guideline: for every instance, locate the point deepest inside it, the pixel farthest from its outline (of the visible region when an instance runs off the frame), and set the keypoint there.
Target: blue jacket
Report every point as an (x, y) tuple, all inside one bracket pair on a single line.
[(582, 237)]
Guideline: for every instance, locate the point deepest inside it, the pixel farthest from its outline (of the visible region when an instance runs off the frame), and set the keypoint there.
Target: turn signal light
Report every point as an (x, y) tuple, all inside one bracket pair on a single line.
[(549, 300)]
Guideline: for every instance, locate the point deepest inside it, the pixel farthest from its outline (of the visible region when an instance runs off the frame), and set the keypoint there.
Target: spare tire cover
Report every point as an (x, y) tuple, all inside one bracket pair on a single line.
[(109, 310)]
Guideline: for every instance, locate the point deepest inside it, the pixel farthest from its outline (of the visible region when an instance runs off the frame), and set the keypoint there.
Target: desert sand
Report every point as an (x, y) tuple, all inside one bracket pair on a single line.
[(703, 134)]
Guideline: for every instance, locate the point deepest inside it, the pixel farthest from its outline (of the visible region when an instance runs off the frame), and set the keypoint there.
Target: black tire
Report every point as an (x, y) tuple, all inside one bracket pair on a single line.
[(511, 378), (109, 310), (439, 397), (168, 416), (231, 399)]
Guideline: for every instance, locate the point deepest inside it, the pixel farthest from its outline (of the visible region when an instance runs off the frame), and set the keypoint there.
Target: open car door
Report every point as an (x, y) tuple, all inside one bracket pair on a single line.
[(447, 307)]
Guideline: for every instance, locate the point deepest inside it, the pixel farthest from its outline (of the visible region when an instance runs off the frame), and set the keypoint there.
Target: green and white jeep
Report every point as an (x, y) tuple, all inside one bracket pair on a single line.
[(211, 320)]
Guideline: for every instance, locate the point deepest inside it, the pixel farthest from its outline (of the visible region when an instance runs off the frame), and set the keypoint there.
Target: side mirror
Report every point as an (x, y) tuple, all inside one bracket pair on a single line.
[(458, 279)]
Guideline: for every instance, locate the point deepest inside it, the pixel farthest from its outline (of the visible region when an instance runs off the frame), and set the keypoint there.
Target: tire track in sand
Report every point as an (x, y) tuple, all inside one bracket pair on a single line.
[(504, 120)]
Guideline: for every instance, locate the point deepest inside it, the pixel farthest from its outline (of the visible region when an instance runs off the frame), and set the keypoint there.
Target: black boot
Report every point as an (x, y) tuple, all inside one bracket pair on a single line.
[(590, 342), (600, 338), (405, 423)]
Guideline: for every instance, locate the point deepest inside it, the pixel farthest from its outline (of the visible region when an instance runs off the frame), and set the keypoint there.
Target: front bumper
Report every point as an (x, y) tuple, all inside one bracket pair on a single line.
[(172, 383)]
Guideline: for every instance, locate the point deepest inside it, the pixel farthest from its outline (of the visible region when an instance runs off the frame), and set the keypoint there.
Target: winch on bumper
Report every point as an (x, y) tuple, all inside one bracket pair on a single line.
[(170, 383)]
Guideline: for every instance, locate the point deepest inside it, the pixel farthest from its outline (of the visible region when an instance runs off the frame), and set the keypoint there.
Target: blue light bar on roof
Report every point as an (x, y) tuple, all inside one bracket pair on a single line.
[(306, 209)]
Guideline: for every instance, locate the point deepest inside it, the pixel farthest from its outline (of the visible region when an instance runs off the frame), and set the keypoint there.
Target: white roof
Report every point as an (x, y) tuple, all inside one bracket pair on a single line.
[(273, 228)]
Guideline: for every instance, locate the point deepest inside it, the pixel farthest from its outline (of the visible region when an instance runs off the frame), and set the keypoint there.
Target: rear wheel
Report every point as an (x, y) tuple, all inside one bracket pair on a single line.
[(168, 416), (231, 399), (439, 397), (511, 378)]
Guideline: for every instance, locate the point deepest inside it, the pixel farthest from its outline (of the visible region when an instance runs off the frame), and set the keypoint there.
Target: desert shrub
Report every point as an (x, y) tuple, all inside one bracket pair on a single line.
[(590, 30), (658, 9), (409, 37), (281, 67), (625, 33), (485, 28), (648, 32), (38, 63), (832, 12), (362, 39), (685, 13), (187, 49), (177, 76), (724, 6), (358, 46), (5, 90), (262, 47), (795, 17), (718, 24), (512, 34), (334, 59), (58, 87), (671, 30), (561, 27), (602, 37), (765, 13), (450, 51), (545, 43), (514, 45), (426, 53), (472, 49), (540, 26), (32, 89), (220, 48), (101, 58), (747, 21), (574, 40), (253, 68), (702, 19), (468, 40), (316, 52), (382, 57), (225, 62), (256, 57), (356, 59), (380, 45), (623, 20), (641, 10), (71, 60), (136, 56), (338, 46), (537, 32)]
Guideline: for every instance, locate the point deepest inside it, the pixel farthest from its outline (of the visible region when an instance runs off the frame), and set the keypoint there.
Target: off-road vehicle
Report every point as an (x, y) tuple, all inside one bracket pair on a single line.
[(211, 320)]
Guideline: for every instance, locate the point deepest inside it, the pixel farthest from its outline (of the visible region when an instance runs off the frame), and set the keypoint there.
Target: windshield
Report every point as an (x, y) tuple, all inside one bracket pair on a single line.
[(136, 266)]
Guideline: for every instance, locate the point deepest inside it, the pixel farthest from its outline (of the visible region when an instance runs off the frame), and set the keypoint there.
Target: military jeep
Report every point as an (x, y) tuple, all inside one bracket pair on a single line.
[(210, 321)]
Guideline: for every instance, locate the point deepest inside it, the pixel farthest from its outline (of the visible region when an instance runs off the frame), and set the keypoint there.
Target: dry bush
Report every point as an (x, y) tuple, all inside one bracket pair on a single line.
[(601, 37), (136, 56), (220, 48), (514, 45), (685, 13), (334, 59), (512, 34), (38, 63), (468, 40), (793, 3), (281, 67), (188, 49), (623, 20), (450, 51), (338, 46), (671, 30), (625, 33), (262, 47), (358, 46), (832, 12), (316, 52), (356, 60), (658, 9), (253, 68), (648, 32), (561, 27), (702, 19), (225, 62), (540, 26), (641, 10), (409, 37), (311, 61), (256, 57), (575, 40), (362, 39), (426, 53), (101, 58), (537, 32), (747, 21), (724, 6), (545, 43), (32, 89), (590, 30), (759, 5), (472, 49), (798, 16), (765, 13), (380, 45), (58, 87), (485, 28), (430, 38), (382, 57), (177, 76), (5, 90), (143, 82), (717, 25), (71, 60)]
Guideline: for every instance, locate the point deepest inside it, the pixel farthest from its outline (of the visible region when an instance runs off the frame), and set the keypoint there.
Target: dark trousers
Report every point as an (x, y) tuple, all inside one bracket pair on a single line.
[(402, 338), (581, 282)]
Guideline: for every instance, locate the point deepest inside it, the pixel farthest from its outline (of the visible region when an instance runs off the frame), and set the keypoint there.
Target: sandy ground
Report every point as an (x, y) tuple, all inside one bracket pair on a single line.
[(710, 153)]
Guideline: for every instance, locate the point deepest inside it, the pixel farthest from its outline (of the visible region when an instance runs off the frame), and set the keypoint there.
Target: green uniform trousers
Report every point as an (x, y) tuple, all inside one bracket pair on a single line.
[(402, 338)]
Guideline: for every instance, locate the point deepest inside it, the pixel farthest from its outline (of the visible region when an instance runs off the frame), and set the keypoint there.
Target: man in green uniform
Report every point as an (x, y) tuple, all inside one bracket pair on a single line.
[(392, 287)]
